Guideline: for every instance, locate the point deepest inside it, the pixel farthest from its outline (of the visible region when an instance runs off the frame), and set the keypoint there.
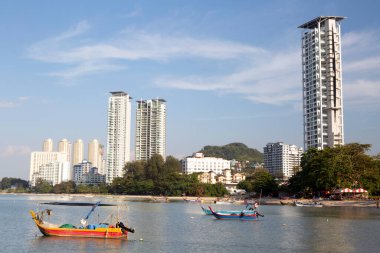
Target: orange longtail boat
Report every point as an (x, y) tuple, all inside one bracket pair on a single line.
[(100, 230)]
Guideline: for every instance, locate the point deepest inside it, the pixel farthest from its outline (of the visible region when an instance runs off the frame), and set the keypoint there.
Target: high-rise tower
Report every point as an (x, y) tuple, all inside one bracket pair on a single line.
[(95, 154), (150, 128), (64, 146), (118, 134), (78, 152), (322, 82), (47, 146)]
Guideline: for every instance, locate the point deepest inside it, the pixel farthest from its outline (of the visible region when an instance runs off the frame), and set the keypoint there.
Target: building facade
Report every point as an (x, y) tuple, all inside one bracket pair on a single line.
[(53, 172), (93, 177), (198, 163), (79, 171), (322, 82), (150, 129), (280, 159), (118, 134), (64, 146), (47, 145), (78, 152), (46, 161), (95, 155)]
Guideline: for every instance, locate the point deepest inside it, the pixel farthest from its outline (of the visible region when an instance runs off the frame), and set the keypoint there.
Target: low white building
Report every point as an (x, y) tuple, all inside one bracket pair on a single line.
[(198, 163), (281, 158), (85, 173), (80, 170), (53, 172), (43, 160), (93, 177)]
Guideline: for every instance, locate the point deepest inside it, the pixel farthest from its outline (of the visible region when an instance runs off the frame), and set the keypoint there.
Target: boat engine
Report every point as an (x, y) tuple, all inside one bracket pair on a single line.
[(124, 228)]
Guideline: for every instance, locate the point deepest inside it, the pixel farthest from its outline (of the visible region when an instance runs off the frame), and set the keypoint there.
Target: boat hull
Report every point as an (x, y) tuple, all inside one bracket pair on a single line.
[(90, 233), (309, 205), (234, 215), (232, 212), (110, 232)]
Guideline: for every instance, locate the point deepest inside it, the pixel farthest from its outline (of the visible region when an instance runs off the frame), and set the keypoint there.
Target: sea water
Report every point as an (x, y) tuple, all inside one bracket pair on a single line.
[(183, 227)]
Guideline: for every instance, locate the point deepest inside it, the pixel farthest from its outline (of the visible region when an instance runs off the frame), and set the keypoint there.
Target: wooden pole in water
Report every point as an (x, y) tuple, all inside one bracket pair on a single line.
[(261, 192), (258, 208)]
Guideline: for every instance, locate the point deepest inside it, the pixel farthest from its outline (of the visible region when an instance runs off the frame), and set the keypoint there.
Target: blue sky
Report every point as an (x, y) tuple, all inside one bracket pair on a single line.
[(229, 70)]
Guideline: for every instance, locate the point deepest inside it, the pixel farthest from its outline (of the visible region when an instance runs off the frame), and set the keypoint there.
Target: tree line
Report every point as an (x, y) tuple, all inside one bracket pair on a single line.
[(158, 177), (155, 176), (347, 166), (322, 172)]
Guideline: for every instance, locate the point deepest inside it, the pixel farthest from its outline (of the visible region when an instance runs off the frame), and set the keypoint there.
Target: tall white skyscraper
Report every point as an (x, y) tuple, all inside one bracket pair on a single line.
[(47, 145), (78, 152), (322, 82), (150, 128), (118, 134), (281, 158), (64, 146)]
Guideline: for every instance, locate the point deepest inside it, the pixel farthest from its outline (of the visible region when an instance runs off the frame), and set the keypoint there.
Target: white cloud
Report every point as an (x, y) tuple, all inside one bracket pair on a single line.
[(363, 65), (14, 151), (8, 104), (351, 40), (132, 14), (276, 78), (269, 79), (362, 92), (84, 69), (22, 99), (361, 52), (78, 29), (266, 77), (133, 45), (11, 104)]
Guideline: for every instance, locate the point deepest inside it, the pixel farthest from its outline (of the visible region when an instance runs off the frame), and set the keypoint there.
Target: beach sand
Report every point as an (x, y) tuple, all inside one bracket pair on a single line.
[(211, 200), (263, 201), (330, 203)]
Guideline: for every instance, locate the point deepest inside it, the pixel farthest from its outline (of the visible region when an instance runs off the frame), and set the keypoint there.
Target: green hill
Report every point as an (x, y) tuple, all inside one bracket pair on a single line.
[(237, 151)]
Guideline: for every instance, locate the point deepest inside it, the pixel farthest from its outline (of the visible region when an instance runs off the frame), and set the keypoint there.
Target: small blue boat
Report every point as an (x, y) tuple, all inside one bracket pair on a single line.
[(208, 211), (235, 215)]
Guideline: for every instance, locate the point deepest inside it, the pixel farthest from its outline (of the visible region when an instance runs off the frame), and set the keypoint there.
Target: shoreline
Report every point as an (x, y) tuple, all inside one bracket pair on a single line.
[(336, 203), (211, 200)]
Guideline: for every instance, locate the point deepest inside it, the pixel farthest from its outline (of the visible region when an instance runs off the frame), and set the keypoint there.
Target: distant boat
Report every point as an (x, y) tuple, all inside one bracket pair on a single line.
[(314, 204), (198, 200), (102, 230), (208, 211), (287, 203), (160, 199), (235, 215), (220, 202)]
